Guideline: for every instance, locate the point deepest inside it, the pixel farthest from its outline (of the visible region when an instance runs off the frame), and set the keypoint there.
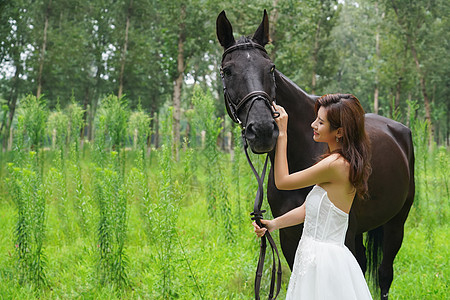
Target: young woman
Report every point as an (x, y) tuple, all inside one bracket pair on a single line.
[(324, 268)]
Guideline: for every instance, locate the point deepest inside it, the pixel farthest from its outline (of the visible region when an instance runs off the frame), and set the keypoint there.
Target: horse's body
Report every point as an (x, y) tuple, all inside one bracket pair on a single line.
[(391, 185)]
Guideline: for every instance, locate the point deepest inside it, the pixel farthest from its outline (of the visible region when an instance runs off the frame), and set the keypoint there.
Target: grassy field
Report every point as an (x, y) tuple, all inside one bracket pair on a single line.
[(199, 258), (102, 222)]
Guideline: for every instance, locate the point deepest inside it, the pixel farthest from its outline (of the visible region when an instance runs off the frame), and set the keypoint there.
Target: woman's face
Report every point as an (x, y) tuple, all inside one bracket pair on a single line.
[(322, 129)]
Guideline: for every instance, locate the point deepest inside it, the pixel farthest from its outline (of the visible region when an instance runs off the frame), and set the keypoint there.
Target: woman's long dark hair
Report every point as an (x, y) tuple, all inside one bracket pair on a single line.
[(345, 111)]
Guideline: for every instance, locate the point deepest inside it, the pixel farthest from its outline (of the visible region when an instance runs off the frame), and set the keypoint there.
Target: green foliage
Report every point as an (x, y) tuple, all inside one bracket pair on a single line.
[(217, 198), (31, 119), (57, 128), (139, 128), (110, 195), (112, 118), (27, 192), (110, 219), (75, 124), (173, 248), (166, 214)]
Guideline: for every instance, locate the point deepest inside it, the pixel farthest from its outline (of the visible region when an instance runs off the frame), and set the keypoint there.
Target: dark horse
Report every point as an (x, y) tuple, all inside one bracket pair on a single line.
[(251, 83)]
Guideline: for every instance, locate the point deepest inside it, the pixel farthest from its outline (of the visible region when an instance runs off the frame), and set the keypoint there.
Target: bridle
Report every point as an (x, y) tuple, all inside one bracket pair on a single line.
[(257, 214), (233, 109)]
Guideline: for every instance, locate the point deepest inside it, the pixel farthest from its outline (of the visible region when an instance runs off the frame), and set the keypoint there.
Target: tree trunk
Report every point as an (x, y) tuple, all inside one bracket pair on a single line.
[(124, 50), (398, 89), (422, 80), (314, 58), (423, 88), (376, 103), (6, 126), (42, 55), (179, 82), (273, 28), (85, 114)]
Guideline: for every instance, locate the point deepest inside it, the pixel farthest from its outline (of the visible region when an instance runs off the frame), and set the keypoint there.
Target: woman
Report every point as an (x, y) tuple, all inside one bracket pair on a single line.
[(324, 268)]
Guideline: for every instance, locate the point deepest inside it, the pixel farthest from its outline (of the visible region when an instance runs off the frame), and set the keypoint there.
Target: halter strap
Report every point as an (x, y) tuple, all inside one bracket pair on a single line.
[(247, 45), (233, 109)]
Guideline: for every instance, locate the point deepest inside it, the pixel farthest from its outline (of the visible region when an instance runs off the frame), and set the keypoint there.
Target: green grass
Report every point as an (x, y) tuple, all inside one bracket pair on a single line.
[(421, 267), (204, 264)]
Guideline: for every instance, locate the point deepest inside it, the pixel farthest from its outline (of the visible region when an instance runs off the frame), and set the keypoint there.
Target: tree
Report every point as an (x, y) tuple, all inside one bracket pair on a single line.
[(413, 17)]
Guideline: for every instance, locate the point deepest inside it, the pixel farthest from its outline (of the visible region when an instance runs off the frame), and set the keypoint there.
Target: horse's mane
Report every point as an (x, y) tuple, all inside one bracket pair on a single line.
[(289, 82), (245, 39)]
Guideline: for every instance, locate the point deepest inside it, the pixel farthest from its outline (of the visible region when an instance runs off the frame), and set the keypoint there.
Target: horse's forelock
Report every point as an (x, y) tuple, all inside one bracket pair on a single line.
[(244, 40)]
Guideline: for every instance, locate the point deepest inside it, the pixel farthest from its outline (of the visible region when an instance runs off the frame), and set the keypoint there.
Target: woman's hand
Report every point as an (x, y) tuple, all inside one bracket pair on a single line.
[(269, 225), (282, 120)]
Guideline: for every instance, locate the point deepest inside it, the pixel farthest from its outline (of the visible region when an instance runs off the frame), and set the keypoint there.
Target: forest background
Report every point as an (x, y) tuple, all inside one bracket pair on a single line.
[(153, 52), (121, 176)]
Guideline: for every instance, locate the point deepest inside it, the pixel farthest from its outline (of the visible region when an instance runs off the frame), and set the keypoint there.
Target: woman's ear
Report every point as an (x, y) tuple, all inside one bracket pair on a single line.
[(340, 132)]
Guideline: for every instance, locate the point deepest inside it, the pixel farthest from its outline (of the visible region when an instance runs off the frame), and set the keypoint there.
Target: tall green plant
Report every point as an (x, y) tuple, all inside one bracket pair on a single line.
[(75, 113), (421, 143), (139, 128), (443, 163), (26, 189), (217, 195), (110, 195), (236, 170), (31, 121), (139, 193), (111, 126), (167, 210), (56, 189)]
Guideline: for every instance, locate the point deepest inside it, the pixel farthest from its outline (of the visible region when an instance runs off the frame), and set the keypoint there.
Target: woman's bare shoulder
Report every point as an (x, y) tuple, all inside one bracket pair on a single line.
[(337, 163)]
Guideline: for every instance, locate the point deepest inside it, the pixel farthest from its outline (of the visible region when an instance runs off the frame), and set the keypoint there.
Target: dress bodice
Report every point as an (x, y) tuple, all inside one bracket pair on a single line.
[(324, 221)]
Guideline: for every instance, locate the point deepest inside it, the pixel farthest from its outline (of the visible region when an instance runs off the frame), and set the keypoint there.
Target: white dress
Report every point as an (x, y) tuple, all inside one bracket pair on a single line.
[(324, 268)]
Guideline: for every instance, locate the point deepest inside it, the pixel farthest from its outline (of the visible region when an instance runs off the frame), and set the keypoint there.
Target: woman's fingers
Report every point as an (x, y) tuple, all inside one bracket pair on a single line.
[(281, 111), (258, 230), (279, 108)]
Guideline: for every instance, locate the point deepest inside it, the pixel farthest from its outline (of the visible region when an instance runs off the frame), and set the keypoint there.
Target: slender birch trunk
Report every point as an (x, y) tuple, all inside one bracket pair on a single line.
[(43, 49), (314, 57), (178, 85), (377, 56), (273, 28), (420, 73), (124, 50)]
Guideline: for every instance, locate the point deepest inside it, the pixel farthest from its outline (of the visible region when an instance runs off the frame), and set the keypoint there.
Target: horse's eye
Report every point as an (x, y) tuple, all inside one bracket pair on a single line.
[(226, 71), (272, 69)]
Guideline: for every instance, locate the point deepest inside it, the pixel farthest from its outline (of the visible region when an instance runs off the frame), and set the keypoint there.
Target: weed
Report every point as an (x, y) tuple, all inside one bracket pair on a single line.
[(27, 191)]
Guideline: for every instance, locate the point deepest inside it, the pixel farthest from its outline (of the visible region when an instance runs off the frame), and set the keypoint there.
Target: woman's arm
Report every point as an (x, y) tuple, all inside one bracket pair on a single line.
[(323, 171), (291, 218)]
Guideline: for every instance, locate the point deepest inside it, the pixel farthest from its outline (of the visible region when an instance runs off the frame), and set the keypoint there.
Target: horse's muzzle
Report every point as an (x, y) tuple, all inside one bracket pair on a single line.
[(261, 135)]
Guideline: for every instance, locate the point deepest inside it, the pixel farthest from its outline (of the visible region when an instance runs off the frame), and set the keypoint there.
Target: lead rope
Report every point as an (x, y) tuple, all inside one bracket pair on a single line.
[(257, 215)]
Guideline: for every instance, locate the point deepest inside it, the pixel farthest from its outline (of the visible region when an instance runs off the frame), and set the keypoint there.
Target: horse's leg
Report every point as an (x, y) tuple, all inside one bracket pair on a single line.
[(354, 243), (289, 239), (361, 252), (392, 240)]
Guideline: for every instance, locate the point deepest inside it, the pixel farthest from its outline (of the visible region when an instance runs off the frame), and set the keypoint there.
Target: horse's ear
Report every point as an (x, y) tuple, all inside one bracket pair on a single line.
[(224, 31), (261, 35)]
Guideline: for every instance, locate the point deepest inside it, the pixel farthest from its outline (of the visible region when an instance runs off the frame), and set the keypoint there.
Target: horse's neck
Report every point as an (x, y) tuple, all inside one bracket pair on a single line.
[(300, 108), (291, 96)]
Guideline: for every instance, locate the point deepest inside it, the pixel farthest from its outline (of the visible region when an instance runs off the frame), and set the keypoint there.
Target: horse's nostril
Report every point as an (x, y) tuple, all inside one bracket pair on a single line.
[(250, 133)]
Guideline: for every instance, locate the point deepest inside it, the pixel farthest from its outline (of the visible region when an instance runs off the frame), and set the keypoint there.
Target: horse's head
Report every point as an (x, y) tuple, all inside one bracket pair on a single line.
[(248, 77)]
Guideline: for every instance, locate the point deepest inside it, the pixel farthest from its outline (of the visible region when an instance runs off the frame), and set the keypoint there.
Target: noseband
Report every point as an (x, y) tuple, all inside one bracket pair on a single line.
[(232, 108), (257, 214)]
